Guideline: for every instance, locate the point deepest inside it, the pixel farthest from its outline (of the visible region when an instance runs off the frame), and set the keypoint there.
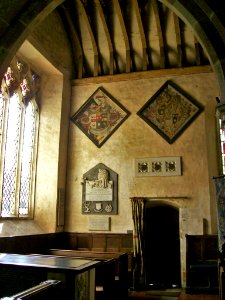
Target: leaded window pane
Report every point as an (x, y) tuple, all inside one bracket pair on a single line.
[(11, 156), (222, 143), (18, 139), (1, 111), (26, 160)]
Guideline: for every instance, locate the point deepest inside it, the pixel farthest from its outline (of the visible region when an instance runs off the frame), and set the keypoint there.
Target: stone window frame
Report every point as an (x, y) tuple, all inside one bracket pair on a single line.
[(25, 95)]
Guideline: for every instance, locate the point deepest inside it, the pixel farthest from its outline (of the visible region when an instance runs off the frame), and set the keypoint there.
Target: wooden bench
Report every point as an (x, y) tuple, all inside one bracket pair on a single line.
[(202, 263), (49, 289), (118, 286)]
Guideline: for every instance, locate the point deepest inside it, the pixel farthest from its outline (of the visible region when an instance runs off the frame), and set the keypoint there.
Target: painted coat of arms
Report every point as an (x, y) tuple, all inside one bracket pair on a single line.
[(100, 116), (170, 111)]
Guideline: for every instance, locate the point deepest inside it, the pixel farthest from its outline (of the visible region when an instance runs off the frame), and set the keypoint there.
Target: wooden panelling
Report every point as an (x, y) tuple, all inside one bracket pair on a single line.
[(126, 243), (112, 242), (202, 263), (81, 241), (98, 242), (30, 243)]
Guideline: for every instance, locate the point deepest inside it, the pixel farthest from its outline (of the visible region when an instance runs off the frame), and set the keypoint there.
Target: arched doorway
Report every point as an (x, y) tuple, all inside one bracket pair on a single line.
[(162, 246)]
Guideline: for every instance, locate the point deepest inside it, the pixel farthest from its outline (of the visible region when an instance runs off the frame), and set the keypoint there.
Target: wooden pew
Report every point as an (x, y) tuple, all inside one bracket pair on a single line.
[(202, 263), (49, 289), (19, 272), (104, 276), (120, 268)]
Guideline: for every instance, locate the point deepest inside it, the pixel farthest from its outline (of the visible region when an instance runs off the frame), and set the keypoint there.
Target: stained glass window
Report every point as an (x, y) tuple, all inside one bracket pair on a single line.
[(19, 118)]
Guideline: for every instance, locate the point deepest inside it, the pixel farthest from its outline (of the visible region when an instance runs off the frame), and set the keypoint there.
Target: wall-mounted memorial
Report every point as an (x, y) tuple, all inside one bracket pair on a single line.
[(100, 116), (100, 191), (170, 111)]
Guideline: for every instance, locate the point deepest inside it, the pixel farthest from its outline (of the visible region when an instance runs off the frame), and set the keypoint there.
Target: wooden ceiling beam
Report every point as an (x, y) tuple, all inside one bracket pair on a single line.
[(125, 35), (142, 34), (197, 52), (177, 72), (109, 41), (160, 35), (178, 40), (94, 44)]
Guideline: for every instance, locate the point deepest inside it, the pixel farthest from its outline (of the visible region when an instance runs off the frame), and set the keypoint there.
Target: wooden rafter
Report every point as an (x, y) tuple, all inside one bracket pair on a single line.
[(197, 52), (160, 35), (142, 34), (105, 27), (178, 39), (125, 35), (94, 45), (75, 42)]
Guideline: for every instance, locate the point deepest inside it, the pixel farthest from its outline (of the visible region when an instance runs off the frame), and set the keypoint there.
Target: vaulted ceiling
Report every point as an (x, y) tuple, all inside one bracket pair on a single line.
[(122, 36)]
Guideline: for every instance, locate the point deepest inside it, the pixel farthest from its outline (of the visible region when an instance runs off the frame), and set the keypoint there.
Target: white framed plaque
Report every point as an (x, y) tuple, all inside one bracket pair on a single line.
[(158, 166), (99, 223)]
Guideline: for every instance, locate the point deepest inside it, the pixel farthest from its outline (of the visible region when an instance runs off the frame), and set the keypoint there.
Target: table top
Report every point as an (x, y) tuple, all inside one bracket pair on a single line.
[(48, 261)]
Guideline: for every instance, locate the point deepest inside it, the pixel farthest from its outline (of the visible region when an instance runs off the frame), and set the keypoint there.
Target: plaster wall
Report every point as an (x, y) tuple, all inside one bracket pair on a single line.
[(50, 38), (135, 139), (48, 153)]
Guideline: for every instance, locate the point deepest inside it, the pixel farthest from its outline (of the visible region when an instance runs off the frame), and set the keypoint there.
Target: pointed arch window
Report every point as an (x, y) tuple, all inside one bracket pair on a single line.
[(19, 120)]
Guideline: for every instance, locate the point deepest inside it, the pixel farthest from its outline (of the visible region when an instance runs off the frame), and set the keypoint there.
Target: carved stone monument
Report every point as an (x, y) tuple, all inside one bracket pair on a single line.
[(100, 191)]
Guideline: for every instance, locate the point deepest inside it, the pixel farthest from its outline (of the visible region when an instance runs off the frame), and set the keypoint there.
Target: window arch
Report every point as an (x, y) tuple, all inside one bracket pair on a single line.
[(19, 120)]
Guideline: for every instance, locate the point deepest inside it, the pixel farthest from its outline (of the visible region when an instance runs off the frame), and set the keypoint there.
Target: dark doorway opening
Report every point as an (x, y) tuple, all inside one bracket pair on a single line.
[(162, 246)]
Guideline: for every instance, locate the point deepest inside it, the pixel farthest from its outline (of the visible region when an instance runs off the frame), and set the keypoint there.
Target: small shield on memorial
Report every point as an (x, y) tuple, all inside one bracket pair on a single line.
[(98, 207)]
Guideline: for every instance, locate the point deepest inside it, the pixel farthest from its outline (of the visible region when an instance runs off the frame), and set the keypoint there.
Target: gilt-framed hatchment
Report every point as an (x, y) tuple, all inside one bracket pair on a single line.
[(100, 116), (170, 111)]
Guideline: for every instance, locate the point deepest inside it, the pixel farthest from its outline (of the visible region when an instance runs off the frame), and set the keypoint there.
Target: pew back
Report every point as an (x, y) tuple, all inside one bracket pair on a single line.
[(120, 268), (49, 289), (202, 263)]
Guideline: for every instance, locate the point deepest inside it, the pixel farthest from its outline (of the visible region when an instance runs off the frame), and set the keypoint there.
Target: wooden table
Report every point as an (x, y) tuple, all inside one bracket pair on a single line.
[(19, 272)]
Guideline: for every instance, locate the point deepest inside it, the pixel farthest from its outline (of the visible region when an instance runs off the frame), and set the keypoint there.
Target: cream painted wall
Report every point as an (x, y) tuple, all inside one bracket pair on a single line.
[(135, 139), (48, 152)]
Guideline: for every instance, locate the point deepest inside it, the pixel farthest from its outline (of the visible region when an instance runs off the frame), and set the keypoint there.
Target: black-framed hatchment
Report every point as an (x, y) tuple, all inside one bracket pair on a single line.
[(100, 191), (100, 116), (170, 111)]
